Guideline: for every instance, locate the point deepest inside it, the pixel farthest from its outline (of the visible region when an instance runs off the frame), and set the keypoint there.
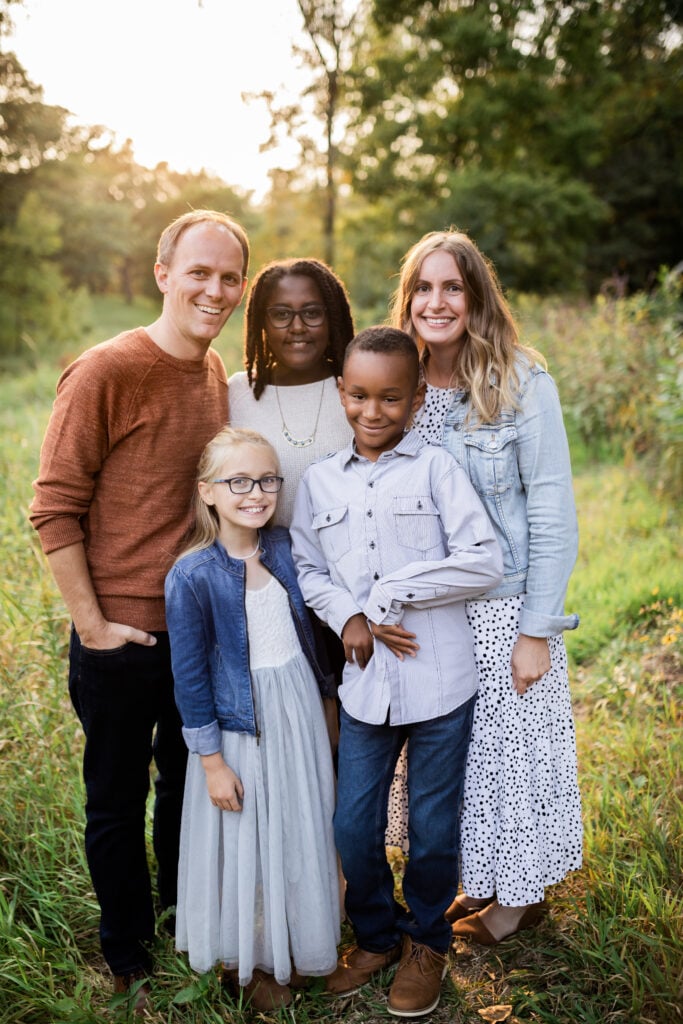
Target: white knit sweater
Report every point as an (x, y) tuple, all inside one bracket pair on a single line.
[(300, 404)]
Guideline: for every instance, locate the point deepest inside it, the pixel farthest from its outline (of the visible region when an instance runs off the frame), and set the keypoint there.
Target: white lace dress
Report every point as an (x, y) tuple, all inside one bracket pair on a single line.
[(260, 888)]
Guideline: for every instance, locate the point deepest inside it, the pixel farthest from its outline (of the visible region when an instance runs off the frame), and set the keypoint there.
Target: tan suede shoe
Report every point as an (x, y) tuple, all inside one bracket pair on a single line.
[(355, 967), (417, 984)]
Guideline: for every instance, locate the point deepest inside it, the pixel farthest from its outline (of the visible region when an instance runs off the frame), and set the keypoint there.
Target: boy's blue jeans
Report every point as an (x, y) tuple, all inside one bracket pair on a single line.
[(437, 753), (124, 699)]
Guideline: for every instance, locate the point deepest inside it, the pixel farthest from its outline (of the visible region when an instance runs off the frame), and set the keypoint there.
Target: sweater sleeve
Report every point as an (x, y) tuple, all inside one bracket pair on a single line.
[(82, 429)]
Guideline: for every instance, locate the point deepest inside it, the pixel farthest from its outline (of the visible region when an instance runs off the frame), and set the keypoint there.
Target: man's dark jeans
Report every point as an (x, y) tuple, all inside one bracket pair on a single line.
[(124, 699)]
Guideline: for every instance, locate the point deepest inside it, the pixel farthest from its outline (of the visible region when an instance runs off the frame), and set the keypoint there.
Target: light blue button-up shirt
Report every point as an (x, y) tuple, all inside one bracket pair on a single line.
[(404, 540)]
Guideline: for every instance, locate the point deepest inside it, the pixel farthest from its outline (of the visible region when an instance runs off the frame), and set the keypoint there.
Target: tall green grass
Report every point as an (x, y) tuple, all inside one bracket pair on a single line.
[(611, 949)]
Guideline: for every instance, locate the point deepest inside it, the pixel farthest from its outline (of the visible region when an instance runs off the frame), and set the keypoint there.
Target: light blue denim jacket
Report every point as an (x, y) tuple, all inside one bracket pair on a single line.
[(520, 469), (207, 627)]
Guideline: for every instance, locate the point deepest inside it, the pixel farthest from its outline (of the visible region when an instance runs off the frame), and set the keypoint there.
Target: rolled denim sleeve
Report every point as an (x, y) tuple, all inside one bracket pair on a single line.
[(191, 671), (545, 472)]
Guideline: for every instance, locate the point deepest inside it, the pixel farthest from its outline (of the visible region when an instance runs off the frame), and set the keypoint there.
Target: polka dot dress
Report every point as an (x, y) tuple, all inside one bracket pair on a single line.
[(521, 822)]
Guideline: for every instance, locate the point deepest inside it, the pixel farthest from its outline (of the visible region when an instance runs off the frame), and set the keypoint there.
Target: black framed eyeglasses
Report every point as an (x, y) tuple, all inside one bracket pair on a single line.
[(283, 316), (245, 484)]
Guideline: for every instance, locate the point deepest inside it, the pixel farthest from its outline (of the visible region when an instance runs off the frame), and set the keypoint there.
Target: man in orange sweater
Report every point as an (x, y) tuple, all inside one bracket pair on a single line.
[(111, 504)]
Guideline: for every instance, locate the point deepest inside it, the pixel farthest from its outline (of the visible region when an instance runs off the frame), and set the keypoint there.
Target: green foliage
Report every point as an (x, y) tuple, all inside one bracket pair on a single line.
[(611, 947), (37, 308), (581, 102), (629, 546), (625, 390)]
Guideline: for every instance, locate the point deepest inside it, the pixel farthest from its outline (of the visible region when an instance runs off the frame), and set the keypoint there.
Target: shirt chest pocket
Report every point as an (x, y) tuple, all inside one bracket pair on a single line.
[(417, 521), (491, 454), (332, 530)]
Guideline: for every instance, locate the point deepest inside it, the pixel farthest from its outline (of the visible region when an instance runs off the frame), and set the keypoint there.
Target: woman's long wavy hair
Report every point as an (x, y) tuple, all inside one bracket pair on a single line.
[(257, 356), (206, 524), (488, 361)]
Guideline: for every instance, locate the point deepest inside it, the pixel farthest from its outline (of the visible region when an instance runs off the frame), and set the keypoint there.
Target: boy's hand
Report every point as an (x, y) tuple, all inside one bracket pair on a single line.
[(225, 789), (399, 641), (357, 640)]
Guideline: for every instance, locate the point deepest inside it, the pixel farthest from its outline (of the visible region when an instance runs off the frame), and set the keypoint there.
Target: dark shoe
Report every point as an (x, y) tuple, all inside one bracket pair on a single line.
[(473, 927), (263, 993), (355, 967), (458, 910), (417, 983), (140, 990), (298, 980)]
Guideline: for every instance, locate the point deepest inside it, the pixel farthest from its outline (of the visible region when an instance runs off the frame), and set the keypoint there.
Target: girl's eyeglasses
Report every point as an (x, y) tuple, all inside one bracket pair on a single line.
[(245, 484), (283, 316)]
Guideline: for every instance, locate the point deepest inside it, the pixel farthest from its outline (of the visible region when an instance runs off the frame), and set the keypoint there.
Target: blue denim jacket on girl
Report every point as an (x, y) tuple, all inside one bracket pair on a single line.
[(521, 470), (207, 627)]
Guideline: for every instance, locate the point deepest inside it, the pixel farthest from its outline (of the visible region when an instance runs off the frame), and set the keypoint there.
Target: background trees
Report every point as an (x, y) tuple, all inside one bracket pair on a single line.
[(551, 130)]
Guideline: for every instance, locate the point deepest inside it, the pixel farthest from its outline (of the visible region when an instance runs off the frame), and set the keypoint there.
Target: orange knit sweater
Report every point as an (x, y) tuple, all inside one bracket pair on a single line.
[(118, 464)]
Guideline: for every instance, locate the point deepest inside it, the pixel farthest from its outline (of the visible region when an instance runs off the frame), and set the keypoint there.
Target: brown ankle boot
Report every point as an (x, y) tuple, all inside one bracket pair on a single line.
[(263, 993), (417, 983), (137, 984)]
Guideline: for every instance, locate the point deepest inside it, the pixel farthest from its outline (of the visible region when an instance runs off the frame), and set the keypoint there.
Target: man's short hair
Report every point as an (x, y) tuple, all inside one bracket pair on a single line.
[(171, 234)]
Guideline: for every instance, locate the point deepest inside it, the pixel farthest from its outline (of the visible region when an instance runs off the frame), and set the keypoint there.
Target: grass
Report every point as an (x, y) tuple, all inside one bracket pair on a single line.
[(611, 948)]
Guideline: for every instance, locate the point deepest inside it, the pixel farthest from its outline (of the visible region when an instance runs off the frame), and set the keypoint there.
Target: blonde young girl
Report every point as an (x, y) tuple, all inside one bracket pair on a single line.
[(258, 884), (491, 403)]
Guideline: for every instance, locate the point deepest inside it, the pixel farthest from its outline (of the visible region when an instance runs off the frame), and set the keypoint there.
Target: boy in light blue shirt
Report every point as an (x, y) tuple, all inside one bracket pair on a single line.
[(390, 539)]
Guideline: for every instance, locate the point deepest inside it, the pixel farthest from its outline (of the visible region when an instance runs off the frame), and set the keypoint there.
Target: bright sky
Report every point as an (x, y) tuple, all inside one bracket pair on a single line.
[(168, 74)]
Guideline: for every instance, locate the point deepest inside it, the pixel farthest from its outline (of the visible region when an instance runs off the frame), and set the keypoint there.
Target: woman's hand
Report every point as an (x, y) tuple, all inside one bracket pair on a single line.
[(530, 660), (399, 641), (225, 789)]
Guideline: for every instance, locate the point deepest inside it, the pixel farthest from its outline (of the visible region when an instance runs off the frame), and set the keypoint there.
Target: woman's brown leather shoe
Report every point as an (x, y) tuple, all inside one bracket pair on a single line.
[(458, 909), (474, 928)]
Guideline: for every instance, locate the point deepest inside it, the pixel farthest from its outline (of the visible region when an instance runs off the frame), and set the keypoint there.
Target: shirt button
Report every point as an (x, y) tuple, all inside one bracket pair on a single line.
[(328, 518), (371, 484), (375, 575), (383, 610), (370, 513), (372, 544), (410, 595), (456, 426)]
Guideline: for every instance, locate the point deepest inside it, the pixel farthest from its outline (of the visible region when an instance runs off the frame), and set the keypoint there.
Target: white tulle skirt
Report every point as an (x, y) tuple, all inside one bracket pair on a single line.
[(260, 888)]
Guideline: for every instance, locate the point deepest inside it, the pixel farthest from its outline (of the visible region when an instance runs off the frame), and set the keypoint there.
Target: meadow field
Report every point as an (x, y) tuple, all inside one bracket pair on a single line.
[(611, 949)]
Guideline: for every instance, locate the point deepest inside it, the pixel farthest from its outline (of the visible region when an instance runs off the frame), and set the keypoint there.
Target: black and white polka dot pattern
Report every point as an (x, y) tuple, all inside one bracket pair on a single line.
[(521, 821), (429, 418)]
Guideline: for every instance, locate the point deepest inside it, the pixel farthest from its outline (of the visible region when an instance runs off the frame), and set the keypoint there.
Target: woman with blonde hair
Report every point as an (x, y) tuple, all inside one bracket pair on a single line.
[(490, 402)]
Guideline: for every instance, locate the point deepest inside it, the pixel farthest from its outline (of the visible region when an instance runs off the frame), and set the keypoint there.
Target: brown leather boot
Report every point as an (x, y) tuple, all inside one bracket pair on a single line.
[(140, 993), (417, 983), (355, 967), (263, 993)]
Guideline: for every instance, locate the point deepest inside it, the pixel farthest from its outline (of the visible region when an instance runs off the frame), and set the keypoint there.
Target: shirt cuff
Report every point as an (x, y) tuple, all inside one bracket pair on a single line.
[(204, 740), (381, 609), (536, 624)]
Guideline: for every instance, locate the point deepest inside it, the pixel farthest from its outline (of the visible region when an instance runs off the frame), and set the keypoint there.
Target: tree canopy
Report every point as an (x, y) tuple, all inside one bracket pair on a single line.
[(551, 131)]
